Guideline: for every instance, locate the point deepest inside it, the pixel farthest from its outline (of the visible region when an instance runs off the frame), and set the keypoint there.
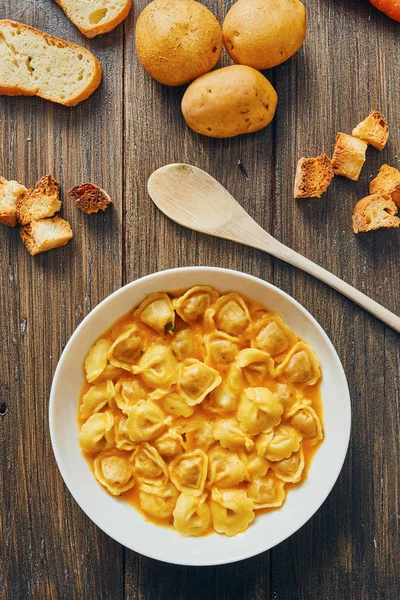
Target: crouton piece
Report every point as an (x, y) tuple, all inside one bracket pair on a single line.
[(374, 212), (10, 191), (374, 130), (313, 177), (46, 234), (349, 156), (89, 198), (39, 203), (387, 182)]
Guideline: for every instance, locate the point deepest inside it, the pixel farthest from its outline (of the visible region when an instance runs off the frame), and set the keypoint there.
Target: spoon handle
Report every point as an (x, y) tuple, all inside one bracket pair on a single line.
[(279, 250)]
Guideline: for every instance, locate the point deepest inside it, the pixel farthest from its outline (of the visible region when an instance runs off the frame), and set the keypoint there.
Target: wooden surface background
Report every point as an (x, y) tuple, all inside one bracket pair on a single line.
[(349, 64)]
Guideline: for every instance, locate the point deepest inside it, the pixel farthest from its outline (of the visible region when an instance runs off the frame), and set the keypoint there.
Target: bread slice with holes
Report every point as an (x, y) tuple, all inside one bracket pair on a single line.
[(374, 212), (34, 63), (41, 202), (10, 192), (46, 234), (93, 17)]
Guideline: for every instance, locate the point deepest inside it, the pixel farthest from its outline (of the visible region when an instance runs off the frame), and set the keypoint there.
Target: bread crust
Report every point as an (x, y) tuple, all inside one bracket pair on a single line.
[(374, 212), (13, 90), (98, 29), (313, 177)]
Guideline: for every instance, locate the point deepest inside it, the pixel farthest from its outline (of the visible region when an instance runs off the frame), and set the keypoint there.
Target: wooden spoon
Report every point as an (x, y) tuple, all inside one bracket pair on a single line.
[(194, 199)]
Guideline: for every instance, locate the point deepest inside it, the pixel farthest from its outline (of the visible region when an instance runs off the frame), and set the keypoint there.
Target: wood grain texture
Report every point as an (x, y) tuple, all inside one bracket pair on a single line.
[(129, 127)]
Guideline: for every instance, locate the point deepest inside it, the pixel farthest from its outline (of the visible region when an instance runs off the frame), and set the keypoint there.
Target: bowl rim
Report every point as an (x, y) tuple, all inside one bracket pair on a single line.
[(108, 300)]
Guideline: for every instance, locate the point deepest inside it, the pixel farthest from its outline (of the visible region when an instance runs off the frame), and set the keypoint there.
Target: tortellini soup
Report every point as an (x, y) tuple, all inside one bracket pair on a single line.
[(201, 409)]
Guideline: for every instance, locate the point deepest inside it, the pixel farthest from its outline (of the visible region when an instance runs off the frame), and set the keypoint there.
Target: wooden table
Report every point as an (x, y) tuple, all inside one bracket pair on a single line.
[(130, 126)]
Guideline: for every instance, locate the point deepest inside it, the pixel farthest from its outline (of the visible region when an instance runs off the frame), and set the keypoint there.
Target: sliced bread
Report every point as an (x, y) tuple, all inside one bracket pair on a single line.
[(93, 17), (45, 234), (41, 202), (10, 192), (374, 212), (34, 63)]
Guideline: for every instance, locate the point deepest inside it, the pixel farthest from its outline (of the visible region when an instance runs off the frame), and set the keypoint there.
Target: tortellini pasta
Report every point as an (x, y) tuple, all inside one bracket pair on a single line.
[(290, 469), (158, 368), (231, 510), (122, 439), (96, 359), (206, 404), (158, 500), (192, 305), (221, 347), (192, 515), (273, 336), (126, 349), (301, 365), (183, 344), (96, 398), (256, 365), (231, 314), (196, 380), (97, 433), (267, 492), (225, 469), (114, 472), (278, 443), (306, 421), (231, 436), (225, 398), (259, 410), (146, 421), (149, 465), (169, 444), (157, 312), (189, 471), (128, 392)]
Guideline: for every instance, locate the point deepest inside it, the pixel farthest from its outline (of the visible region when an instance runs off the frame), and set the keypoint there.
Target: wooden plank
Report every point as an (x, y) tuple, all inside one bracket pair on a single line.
[(155, 134), (344, 71), (49, 548)]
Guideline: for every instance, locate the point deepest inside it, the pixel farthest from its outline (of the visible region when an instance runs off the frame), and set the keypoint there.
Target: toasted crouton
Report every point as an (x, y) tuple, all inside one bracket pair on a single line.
[(374, 212), (374, 130), (39, 203), (387, 182), (313, 177), (10, 191), (46, 234), (89, 198), (349, 156)]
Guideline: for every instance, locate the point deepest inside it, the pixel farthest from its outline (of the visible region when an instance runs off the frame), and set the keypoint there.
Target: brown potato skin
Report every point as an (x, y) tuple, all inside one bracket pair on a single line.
[(177, 40), (229, 101), (264, 33)]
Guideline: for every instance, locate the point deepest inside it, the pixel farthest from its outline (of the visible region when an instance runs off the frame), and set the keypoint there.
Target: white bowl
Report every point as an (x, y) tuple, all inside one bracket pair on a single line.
[(118, 518)]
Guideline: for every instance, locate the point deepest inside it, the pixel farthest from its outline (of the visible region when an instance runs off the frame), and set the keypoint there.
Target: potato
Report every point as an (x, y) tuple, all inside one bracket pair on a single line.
[(229, 101), (177, 41), (264, 33)]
